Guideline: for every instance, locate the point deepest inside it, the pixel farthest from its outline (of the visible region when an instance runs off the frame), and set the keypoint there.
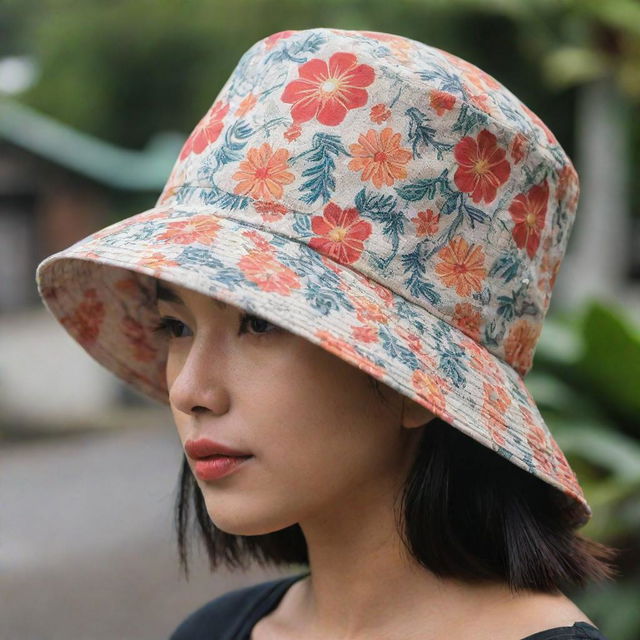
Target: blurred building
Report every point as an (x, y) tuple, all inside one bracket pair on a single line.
[(58, 185)]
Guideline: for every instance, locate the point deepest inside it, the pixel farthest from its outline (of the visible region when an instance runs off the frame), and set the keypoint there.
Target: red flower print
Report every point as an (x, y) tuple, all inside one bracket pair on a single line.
[(483, 167), (342, 232), (292, 132), (365, 334), (517, 147), (206, 131), (340, 348), (263, 173), (461, 266), (468, 319), (270, 211), (426, 223), (528, 211), (379, 113), (441, 101), (136, 337), (380, 157), (202, 228), (520, 344), (85, 320), (326, 91), (259, 242), (269, 274)]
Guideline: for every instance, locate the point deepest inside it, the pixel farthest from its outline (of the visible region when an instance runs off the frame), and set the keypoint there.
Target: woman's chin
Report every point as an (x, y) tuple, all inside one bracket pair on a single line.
[(245, 524)]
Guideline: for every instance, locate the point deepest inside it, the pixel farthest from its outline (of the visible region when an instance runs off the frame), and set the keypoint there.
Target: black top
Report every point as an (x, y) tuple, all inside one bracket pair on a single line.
[(233, 615)]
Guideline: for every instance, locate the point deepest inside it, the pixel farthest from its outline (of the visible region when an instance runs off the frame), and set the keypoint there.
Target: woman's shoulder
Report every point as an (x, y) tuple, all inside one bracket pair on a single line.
[(227, 610), (578, 631)]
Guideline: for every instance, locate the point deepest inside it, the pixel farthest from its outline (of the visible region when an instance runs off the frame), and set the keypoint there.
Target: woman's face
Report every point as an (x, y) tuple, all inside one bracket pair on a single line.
[(322, 440)]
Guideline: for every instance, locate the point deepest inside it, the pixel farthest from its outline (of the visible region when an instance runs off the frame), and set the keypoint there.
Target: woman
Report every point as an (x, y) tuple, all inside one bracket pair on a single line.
[(355, 208)]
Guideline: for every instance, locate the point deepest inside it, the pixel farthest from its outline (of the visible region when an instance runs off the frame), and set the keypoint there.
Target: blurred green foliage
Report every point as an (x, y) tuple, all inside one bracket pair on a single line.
[(586, 381)]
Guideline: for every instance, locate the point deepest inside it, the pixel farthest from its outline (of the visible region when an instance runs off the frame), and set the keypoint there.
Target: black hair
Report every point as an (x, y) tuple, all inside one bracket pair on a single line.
[(465, 512)]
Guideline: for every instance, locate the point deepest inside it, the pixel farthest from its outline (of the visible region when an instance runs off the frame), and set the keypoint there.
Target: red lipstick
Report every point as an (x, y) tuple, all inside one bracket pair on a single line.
[(214, 459)]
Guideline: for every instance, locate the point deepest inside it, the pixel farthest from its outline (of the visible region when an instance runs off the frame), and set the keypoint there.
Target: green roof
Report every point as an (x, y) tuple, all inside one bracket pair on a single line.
[(119, 168)]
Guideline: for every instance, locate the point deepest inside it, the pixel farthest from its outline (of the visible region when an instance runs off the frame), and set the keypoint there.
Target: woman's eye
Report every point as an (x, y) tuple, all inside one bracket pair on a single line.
[(257, 324), (174, 328), (170, 327)]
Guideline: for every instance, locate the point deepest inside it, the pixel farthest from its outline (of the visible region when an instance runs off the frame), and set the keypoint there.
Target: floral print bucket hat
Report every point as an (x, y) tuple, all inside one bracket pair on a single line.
[(380, 197)]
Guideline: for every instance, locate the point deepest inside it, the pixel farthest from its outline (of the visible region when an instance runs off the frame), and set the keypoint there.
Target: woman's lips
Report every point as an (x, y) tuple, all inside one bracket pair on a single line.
[(205, 448), (218, 466)]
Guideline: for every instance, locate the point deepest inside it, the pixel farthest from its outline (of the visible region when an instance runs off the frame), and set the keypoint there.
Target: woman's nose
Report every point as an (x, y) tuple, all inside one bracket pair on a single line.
[(199, 379)]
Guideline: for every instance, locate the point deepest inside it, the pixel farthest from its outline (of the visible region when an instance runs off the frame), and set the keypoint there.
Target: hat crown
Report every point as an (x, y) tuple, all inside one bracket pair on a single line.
[(405, 162)]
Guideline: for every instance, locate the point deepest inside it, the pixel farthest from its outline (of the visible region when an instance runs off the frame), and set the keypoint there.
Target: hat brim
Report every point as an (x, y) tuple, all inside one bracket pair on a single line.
[(102, 290)]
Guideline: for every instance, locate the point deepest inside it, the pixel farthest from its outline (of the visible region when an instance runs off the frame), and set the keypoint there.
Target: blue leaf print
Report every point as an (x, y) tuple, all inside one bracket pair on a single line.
[(414, 264), (420, 133), (396, 350), (302, 225), (199, 257), (321, 183), (507, 266), (452, 355), (326, 299), (469, 119)]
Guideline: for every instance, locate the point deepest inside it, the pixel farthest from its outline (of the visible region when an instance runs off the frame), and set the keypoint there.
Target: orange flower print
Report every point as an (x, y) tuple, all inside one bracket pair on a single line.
[(380, 157), (269, 274), (206, 131), (441, 101), (270, 211), (156, 261), (340, 348), (259, 241), (340, 233), (202, 228), (566, 177), (368, 311), (263, 173), (542, 452), (520, 344), (517, 147), (528, 211), (85, 320), (483, 167), (365, 334), (426, 223), (414, 343), (136, 337), (328, 90), (481, 360), (400, 47), (461, 266), (430, 388), (495, 402), (292, 132), (379, 113), (468, 319), (246, 105)]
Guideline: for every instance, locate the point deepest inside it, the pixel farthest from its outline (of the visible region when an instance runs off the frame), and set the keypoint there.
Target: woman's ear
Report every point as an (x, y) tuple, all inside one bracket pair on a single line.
[(414, 414)]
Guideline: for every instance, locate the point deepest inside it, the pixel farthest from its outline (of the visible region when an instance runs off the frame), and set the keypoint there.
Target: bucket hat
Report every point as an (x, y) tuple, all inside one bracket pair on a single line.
[(380, 197)]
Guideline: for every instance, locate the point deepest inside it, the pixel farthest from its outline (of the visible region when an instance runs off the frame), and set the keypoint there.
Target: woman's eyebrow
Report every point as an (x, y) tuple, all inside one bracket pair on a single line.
[(169, 295)]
